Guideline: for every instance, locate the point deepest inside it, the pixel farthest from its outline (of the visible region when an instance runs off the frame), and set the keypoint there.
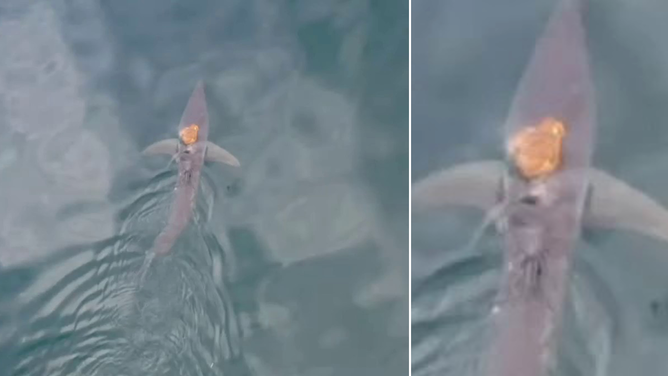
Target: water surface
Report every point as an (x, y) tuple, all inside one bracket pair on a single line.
[(296, 263), (467, 58)]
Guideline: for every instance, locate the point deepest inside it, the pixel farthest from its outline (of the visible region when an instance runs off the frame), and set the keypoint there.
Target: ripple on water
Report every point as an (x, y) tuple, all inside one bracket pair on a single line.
[(148, 213), (451, 318), (591, 321), (450, 310), (84, 314)]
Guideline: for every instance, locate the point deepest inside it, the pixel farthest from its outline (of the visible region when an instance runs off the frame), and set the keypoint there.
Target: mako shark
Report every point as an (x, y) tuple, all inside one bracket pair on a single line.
[(542, 195), (190, 151)]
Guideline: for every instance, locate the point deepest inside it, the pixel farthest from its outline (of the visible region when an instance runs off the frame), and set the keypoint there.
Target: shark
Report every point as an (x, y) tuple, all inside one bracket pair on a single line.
[(542, 195), (190, 150)]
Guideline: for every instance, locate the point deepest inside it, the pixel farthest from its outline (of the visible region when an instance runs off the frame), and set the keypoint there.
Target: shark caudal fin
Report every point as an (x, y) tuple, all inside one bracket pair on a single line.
[(474, 184), (613, 204), (215, 153), (169, 147)]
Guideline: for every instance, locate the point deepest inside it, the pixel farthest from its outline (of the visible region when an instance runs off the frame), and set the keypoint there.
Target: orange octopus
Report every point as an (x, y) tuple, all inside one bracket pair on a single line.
[(537, 151), (189, 134)]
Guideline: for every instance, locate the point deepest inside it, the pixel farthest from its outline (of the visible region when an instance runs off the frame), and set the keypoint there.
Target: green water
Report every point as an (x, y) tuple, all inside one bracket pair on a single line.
[(467, 59), (294, 264)]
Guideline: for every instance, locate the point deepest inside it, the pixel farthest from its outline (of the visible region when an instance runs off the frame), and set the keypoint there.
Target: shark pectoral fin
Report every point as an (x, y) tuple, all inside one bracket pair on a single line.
[(169, 146), (473, 184), (215, 153), (613, 204)]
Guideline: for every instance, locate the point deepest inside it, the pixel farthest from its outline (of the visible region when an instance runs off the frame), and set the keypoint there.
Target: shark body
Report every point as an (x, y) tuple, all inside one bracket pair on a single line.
[(190, 151), (541, 220)]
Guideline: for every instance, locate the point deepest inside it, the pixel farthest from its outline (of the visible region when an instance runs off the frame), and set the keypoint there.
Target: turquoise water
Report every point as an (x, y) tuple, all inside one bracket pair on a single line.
[(294, 264), (467, 58)]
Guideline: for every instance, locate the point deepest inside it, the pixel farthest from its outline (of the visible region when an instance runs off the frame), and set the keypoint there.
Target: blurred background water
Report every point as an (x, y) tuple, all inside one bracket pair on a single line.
[(467, 58), (294, 264)]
